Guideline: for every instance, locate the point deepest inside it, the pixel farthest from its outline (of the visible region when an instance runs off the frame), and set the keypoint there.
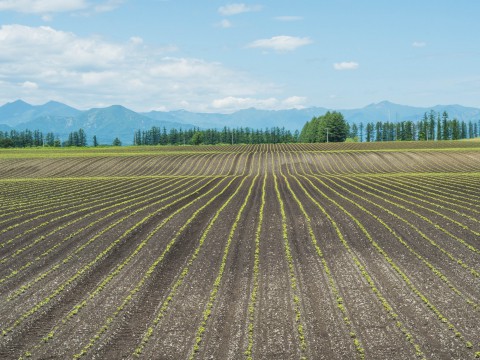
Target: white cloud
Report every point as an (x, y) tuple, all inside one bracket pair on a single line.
[(296, 102), (234, 9), (29, 85), (281, 43), (346, 65), (288, 18), (47, 7), (224, 24), (42, 6), (89, 71), (419, 44), (232, 103), (51, 48), (108, 5)]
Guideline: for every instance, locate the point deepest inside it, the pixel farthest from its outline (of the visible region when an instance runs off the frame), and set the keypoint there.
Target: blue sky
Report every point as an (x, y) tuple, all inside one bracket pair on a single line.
[(220, 56)]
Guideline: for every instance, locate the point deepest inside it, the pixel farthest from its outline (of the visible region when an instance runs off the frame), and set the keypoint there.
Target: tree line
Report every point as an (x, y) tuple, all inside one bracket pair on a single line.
[(28, 138), (331, 127), (433, 126), (197, 136)]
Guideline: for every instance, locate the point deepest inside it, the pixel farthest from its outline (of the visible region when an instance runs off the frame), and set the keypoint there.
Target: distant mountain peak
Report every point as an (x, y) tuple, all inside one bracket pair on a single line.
[(18, 101), (382, 104), (53, 102), (18, 104)]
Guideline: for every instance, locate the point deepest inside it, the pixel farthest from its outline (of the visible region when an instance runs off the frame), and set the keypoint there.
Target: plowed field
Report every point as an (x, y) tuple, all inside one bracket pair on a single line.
[(316, 251)]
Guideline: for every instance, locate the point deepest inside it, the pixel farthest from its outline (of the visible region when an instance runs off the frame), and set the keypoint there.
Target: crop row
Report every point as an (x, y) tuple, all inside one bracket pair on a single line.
[(389, 240)]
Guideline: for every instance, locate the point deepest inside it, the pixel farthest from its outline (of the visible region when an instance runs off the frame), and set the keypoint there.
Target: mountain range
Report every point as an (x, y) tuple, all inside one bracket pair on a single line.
[(118, 121)]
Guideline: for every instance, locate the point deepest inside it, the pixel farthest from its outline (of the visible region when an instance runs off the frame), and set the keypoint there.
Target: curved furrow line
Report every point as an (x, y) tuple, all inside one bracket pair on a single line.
[(445, 186), (402, 241), (406, 187), (252, 304), (120, 207), (32, 191), (218, 280), (333, 287), (361, 267), (164, 306), (72, 255), (92, 341), (420, 216), (389, 185), (82, 197), (58, 195), (111, 246), (293, 280), (455, 332), (76, 210), (129, 298), (82, 304), (457, 161)]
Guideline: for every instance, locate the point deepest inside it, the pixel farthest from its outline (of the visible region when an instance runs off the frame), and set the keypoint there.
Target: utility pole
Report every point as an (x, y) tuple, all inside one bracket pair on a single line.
[(327, 135), (232, 136)]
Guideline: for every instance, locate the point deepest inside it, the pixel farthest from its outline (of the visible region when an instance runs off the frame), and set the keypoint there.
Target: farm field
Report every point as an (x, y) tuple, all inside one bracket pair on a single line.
[(286, 251)]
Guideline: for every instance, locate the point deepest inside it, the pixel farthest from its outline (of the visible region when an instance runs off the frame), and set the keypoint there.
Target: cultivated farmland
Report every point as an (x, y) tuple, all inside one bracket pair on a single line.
[(318, 251)]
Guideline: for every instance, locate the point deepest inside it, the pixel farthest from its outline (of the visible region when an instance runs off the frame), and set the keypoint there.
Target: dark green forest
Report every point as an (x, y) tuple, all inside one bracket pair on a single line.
[(197, 136), (432, 126)]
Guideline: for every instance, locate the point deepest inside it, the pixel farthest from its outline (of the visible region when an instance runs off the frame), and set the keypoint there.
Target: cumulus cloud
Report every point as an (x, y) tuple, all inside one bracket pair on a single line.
[(281, 43), (419, 44), (46, 7), (288, 18), (46, 47), (232, 103), (346, 65), (89, 71), (234, 9)]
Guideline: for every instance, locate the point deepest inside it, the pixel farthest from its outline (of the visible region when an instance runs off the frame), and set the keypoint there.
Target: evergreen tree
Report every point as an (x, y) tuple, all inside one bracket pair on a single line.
[(463, 130), (431, 125), (439, 128), (369, 132), (50, 139), (378, 131), (354, 131), (445, 132), (455, 126), (82, 138)]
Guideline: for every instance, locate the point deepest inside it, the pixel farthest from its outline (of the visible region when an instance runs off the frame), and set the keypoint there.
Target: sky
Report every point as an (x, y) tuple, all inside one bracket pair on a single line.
[(220, 56)]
